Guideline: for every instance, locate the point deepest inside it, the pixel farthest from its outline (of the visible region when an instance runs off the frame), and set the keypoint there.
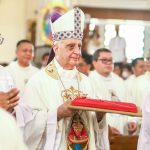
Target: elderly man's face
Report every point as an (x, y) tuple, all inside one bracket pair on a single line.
[(68, 52)]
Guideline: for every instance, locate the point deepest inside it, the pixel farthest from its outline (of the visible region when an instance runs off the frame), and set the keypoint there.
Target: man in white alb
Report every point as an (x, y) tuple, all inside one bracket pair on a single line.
[(109, 86), (21, 70), (138, 68), (141, 86), (50, 124)]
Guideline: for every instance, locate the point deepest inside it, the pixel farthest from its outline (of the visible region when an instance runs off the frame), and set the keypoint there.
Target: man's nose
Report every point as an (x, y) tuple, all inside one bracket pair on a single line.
[(77, 50)]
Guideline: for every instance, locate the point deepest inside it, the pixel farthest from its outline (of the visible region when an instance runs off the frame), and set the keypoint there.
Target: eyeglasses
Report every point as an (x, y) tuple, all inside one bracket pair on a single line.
[(106, 61)]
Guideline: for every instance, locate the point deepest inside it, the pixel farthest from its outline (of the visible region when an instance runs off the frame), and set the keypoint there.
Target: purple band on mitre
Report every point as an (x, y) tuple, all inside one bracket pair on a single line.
[(54, 17)]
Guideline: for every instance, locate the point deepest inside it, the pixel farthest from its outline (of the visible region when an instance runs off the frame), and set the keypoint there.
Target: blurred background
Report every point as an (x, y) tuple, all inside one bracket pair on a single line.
[(20, 19)]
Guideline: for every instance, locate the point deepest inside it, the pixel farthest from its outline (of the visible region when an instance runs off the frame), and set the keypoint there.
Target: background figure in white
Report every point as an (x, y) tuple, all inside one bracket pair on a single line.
[(138, 68), (109, 86), (118, 47), (22, 69), (142, 85), (47, 123), (144, 137), (141, 88), (10, 135)]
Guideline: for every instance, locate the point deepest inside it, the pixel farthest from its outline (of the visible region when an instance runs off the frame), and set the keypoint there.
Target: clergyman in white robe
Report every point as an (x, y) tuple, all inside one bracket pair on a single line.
[(21, 74), (141, 88), (111, 88), (44, 94), (128, 84)]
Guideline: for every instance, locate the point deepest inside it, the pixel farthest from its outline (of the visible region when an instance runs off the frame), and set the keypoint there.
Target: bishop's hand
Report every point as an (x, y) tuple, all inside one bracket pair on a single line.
[(63, 111)]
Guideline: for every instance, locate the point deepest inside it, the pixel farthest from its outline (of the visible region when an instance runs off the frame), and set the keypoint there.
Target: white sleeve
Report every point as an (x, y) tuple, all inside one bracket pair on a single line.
[(144, 137), (10, 135), (38, 126), (101, 133)]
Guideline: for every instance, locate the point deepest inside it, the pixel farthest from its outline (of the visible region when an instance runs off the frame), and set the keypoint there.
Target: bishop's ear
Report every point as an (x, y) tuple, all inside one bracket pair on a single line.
[(55, 47)]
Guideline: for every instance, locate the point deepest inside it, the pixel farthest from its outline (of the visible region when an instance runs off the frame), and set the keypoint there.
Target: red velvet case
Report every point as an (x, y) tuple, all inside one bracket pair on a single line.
[(105, 104)]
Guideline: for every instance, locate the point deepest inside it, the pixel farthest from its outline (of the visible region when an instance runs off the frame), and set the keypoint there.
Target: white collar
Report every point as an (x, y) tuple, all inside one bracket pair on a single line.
[(65, 73), (23, 68), (108, 78)]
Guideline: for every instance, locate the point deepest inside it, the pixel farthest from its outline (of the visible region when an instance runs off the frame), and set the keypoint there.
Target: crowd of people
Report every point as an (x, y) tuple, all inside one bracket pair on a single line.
[(33, 102)]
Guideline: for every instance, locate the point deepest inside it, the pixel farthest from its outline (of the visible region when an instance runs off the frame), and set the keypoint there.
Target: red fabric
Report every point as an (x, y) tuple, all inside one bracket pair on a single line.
[(105, 104)]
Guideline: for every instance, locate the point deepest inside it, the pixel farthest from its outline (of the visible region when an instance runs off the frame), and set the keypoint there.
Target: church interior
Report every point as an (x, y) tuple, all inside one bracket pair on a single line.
[(29, 19)]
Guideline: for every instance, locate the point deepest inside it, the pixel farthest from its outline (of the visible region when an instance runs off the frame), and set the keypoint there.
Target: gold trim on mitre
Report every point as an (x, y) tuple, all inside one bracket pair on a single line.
[(51, 70)]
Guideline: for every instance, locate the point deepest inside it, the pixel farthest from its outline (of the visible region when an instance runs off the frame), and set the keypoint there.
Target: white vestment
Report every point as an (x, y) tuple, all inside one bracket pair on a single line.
[(21, 74), (144, 137), (10, 135), (43, 93), (118, 46), (128, 85), (141, 88), (110, 88)]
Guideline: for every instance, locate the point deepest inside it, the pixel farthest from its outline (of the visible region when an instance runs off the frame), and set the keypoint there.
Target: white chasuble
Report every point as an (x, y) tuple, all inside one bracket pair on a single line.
[(44, 93)]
